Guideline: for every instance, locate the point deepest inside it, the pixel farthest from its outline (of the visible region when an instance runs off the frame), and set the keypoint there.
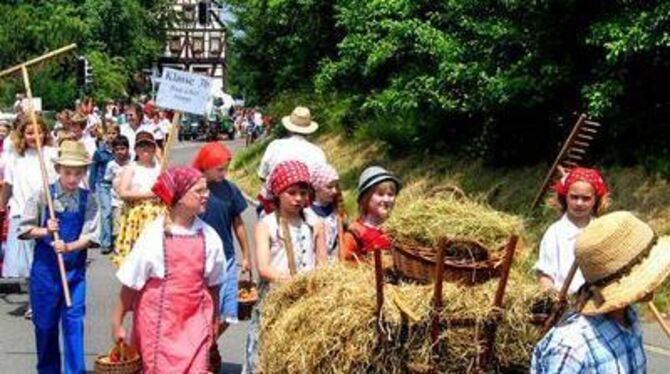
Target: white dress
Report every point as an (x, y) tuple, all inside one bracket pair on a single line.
[(144, 178), (557, 254), (23, 173), (302, 239), (331, 230)]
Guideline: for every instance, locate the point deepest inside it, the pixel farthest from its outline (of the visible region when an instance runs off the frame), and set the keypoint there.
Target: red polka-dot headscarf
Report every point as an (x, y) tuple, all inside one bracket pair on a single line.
[(591, 176), (286, 174)]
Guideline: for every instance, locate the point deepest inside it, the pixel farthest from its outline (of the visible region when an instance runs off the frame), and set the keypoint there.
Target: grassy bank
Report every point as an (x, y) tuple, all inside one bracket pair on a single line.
[(508, 190)]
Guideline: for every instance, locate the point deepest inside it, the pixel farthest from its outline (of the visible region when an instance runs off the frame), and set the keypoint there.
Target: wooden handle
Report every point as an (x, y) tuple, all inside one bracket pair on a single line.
[(504, 275), (659, 318), (45, 182), (562, 299), (172, 135), (37, 59)]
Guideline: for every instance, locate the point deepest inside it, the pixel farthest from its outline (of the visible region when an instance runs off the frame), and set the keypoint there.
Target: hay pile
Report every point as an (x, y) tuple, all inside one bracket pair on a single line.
[(424, 219), (325, 322)]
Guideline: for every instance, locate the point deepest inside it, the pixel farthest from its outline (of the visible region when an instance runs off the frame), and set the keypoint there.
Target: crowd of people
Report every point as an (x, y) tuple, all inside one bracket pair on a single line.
[(170, 233)]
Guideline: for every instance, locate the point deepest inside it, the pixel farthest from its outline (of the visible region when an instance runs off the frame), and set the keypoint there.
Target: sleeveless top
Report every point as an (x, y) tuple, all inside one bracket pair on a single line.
[(144, 177)]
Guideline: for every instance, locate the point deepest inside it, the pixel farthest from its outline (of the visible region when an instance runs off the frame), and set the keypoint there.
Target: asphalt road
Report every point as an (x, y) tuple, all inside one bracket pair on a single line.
[(17, 350)]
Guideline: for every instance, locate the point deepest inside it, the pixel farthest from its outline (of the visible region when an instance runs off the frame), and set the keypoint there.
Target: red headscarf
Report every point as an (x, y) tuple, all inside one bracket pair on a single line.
[(591, 176), (212, 155), (286, 174), (174, 182)]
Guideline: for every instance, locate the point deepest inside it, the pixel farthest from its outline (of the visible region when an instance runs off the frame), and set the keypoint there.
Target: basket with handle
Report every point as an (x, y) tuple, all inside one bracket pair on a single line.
[(121, 359), (247, 297), (418, 262)]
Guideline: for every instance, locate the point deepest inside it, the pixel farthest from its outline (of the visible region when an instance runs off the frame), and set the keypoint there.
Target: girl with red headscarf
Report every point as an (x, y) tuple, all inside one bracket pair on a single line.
[(580, 195), (287, 242), (171, 280)]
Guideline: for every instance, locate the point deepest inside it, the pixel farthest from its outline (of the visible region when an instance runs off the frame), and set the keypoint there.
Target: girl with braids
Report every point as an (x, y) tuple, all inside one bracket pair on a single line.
[(287, 242), (171, 280)]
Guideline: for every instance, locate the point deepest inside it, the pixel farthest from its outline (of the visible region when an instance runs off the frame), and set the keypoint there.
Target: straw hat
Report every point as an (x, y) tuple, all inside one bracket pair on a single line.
[(78, 118), (622, 261), (300, 121), (72, 153)]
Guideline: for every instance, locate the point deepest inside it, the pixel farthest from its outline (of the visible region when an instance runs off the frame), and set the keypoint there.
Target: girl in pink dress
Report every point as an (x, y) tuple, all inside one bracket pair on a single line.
[(171, 280)]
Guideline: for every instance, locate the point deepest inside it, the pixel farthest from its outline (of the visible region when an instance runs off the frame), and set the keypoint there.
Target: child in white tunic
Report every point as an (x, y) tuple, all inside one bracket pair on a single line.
[(581, 195), (23, 179), (287, 242), (324, 208)]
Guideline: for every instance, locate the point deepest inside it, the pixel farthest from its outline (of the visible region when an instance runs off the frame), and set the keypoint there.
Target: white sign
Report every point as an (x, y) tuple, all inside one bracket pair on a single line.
[(182, 91)]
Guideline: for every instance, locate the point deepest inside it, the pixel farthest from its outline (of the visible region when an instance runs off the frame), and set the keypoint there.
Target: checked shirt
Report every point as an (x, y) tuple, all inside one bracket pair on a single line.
[(591, 344)]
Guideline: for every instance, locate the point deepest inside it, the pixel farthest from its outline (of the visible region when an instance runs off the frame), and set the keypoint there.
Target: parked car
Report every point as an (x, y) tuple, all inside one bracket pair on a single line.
[(189, 126)]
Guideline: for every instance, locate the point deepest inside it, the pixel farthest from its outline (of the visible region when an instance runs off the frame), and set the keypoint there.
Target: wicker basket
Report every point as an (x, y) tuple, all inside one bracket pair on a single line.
[(127, 365), (418, 263), (244, 306)]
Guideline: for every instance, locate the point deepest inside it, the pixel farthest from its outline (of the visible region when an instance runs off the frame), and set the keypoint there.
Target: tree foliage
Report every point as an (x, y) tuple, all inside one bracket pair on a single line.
[(120, 37), (498, 79)]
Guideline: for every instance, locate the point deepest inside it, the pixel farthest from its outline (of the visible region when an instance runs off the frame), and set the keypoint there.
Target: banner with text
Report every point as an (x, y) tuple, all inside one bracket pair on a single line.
[(183, 91)]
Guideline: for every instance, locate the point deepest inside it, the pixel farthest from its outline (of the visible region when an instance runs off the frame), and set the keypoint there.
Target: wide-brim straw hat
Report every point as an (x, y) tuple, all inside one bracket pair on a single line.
[(300, 121), (72, 153), (622, 261)]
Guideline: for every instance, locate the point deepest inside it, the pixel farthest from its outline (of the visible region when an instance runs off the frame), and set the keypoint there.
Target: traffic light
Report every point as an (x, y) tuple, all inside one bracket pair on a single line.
[(84, 72)]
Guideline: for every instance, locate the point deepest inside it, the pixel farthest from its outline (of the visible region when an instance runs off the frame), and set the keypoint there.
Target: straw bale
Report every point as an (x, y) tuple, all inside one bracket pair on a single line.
[(425, 218), (324, 322)]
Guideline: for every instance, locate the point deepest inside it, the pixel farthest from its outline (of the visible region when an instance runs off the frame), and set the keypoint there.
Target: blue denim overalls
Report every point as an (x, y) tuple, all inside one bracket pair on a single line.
[(48, 302)]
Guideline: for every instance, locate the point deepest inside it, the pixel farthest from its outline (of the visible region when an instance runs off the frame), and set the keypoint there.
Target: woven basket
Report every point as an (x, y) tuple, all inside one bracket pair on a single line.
[(418, 263), (244, 307), (127, 366)]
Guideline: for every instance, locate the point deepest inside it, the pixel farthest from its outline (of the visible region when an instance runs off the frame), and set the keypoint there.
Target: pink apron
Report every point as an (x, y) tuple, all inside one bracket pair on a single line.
[(173, 323)]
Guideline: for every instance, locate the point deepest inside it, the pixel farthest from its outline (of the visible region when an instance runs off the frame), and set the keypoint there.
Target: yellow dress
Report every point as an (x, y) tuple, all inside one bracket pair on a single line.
[(136, 215), (133, 219)]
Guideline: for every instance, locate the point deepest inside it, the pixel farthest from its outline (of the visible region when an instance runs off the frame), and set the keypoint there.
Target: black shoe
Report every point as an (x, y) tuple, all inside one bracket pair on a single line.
[(106, 251)]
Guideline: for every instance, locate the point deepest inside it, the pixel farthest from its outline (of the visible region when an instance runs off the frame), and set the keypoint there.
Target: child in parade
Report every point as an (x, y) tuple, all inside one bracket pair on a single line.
[(103, 188), (580, 196), (22, 179), (224, 213), (171, 280), (287, 241), (623, 262), (377, 190), (121, 153), (77, 127), (77, 224), (325, 183), (134, 189)]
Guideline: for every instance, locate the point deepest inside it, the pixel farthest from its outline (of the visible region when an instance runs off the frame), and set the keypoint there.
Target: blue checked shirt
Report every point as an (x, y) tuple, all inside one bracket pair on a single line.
[(594, 344)]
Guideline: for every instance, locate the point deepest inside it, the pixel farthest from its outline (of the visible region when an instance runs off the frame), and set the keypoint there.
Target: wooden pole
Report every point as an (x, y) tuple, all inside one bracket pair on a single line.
[(37, 59), (562, 299), (379, 287), (436, 321), (659, 318), (45, 180), (174, 133)]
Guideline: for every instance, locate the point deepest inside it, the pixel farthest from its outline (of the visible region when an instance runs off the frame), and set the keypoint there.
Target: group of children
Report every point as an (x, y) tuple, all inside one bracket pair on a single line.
[(177, 263)]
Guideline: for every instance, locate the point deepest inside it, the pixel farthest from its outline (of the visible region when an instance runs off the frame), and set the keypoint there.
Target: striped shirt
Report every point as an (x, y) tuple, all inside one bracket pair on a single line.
[(591, 344)]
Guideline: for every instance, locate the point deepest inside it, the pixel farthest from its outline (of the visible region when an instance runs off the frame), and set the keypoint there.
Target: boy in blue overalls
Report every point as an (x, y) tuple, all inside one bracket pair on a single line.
[(77, 223)]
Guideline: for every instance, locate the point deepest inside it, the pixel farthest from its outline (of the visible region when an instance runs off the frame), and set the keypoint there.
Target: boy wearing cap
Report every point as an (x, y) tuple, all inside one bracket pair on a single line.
[(77, 223), (623, 262)]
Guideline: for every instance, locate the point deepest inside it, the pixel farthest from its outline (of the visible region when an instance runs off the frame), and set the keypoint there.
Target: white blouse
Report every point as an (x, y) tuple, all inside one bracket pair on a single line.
[(144, 178), (25, 175), (331, 230), (557, 253), (146, 260)]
